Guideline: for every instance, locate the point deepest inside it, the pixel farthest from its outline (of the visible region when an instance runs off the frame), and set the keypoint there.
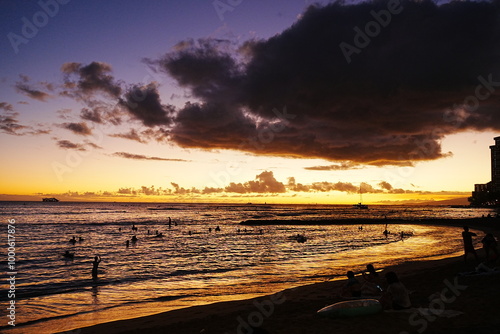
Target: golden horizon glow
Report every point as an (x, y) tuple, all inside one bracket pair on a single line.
[(97, 175)]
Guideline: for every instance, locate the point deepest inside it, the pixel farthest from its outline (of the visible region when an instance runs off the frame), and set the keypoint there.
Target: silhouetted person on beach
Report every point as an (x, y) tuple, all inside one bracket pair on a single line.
[(396, 295), (490, 245), (373, 283), (352, 288), (468, 246), (127, 243), (95, 265), (169, 222)]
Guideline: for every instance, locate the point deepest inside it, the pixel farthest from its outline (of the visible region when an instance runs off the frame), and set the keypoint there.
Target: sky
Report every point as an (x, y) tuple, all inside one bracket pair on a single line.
[(282, 101)]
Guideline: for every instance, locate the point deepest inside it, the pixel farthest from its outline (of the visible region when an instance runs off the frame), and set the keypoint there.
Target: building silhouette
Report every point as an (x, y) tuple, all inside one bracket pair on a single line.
[(495, 165), (488, 194)]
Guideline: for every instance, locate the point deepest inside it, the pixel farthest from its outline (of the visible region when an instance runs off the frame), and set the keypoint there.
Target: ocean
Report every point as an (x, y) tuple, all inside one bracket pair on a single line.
[(194, 262)]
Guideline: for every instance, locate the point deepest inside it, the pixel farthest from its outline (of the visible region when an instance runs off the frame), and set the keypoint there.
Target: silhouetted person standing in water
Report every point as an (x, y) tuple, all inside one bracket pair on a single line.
[(95, 265), (468, 246)]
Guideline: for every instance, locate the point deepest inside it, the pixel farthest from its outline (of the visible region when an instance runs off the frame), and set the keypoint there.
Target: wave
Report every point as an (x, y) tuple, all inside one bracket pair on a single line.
[(80, 285), (104, 308)]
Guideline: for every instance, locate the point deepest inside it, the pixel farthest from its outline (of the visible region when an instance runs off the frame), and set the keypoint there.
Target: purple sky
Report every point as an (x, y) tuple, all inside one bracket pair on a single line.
[(218, 76)]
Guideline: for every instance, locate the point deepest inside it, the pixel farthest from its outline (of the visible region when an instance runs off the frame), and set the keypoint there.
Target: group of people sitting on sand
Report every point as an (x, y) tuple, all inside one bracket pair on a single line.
[(391, 292)]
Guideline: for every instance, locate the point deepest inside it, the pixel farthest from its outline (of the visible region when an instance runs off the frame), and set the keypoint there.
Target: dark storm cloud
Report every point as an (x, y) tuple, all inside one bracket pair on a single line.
[(211, 126), (89, 79), (78, 128), (430, 72), (144, 104)]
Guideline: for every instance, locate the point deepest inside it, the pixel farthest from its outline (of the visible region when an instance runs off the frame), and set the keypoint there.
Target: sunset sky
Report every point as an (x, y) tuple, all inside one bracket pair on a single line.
[(247, 101)]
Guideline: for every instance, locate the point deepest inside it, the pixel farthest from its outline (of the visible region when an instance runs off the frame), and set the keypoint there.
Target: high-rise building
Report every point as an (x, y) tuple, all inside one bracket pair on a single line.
[(488, 194), (495, 165)]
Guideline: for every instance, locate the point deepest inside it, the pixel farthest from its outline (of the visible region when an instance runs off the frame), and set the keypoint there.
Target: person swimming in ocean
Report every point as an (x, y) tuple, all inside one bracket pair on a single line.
[(69, 255), (95, 265), (73, 240), (134, 239)]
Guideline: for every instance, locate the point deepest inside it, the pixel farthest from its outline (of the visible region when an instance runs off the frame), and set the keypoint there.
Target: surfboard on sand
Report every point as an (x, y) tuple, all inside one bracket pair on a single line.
[(351, 308)]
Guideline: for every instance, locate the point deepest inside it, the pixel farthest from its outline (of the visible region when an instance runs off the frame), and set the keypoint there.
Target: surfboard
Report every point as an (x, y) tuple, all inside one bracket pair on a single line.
[(351, 308)]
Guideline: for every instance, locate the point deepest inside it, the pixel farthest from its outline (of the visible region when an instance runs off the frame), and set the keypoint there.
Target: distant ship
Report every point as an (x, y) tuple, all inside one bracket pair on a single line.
[(360, 205), (51, 199)]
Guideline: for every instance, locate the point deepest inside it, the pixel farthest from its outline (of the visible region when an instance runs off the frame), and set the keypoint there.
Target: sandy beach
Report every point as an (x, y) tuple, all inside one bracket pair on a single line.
[(436, 285)]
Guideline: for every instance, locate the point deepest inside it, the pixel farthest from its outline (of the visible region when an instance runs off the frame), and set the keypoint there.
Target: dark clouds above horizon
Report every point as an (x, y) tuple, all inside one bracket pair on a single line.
[(392, 104), (295, 95)]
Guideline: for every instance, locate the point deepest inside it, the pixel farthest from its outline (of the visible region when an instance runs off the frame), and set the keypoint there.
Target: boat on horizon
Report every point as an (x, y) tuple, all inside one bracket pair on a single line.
[(360, 205)]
